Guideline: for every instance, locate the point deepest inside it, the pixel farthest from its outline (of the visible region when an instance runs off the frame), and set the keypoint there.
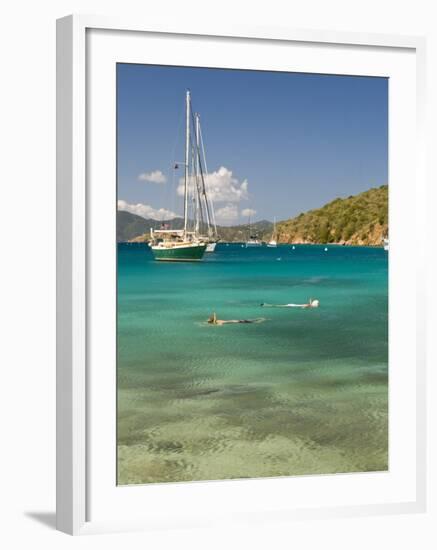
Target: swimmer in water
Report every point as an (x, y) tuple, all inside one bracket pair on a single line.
[(214, 321), (311, 304)]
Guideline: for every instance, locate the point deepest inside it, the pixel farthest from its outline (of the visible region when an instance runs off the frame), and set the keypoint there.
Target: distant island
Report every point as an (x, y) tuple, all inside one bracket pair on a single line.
[(356, 220)]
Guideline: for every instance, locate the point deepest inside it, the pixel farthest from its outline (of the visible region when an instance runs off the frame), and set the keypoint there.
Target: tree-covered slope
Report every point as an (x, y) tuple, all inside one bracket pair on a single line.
[(358, 220), (130, 226)]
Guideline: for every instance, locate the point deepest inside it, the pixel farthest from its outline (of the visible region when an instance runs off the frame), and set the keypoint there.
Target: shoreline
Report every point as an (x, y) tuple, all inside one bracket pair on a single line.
[(264, 245)]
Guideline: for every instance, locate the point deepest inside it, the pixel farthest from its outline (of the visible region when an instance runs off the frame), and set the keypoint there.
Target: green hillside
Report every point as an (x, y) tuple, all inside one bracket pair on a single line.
[(357, 220), (240, 233), (131, 227)]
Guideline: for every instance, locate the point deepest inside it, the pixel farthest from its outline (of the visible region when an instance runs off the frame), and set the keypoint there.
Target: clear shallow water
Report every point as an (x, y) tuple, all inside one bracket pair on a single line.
[(304, 392)]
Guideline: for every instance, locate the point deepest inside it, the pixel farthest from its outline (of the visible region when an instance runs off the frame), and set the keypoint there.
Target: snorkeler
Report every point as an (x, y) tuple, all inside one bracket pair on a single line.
[(214, 321), (311, 303)]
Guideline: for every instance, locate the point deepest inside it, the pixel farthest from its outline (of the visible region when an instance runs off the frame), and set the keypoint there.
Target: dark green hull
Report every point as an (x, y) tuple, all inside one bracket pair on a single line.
[(179, 254)]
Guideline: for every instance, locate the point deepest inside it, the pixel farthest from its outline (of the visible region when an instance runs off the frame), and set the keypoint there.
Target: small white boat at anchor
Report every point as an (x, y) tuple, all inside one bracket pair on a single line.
[(273, 243), (253, 239)]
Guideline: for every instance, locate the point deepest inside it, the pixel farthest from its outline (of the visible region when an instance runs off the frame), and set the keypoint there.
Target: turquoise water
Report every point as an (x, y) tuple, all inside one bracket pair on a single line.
[(303, 392)]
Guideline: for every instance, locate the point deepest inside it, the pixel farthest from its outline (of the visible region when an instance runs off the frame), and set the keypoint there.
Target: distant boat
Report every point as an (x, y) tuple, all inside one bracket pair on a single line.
[(180, 245), (272, 243), (253, 238), (253, 241), (385, 241)]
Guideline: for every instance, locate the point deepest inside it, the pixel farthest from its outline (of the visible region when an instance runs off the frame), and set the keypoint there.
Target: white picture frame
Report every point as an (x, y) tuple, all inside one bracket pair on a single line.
[(75, 217)]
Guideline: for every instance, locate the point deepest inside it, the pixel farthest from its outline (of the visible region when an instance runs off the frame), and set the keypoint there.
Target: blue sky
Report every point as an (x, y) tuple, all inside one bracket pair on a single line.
[(276, 143)]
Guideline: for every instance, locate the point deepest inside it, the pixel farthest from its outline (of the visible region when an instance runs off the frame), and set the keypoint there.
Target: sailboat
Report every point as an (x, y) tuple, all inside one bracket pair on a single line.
[(180, 245), (253, 238), (272, 243)]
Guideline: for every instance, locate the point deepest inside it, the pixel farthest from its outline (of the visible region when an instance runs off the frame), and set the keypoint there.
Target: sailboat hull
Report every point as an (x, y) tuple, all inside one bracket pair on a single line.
[(189, 253)]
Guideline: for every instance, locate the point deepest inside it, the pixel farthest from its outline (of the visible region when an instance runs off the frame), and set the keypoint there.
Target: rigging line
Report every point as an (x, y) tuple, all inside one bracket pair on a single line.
[(206, 172), (199, 165), (195, 194), (194, 199), (205, 197), (196, 164), (196, 185), (176, 140), (202, 145), (190, 190), (173, 189), (193, 178)]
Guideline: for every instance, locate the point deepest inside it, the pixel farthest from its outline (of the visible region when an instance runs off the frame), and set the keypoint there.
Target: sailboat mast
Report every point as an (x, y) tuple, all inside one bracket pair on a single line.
[(187, 157), (196, 116), (212, 216), (200, 172)]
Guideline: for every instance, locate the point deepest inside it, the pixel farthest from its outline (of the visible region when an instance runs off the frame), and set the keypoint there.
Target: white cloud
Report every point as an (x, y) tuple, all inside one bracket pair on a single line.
[(146, 211), (246, 212), (227, 214), (222, 186), (156, 176)]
